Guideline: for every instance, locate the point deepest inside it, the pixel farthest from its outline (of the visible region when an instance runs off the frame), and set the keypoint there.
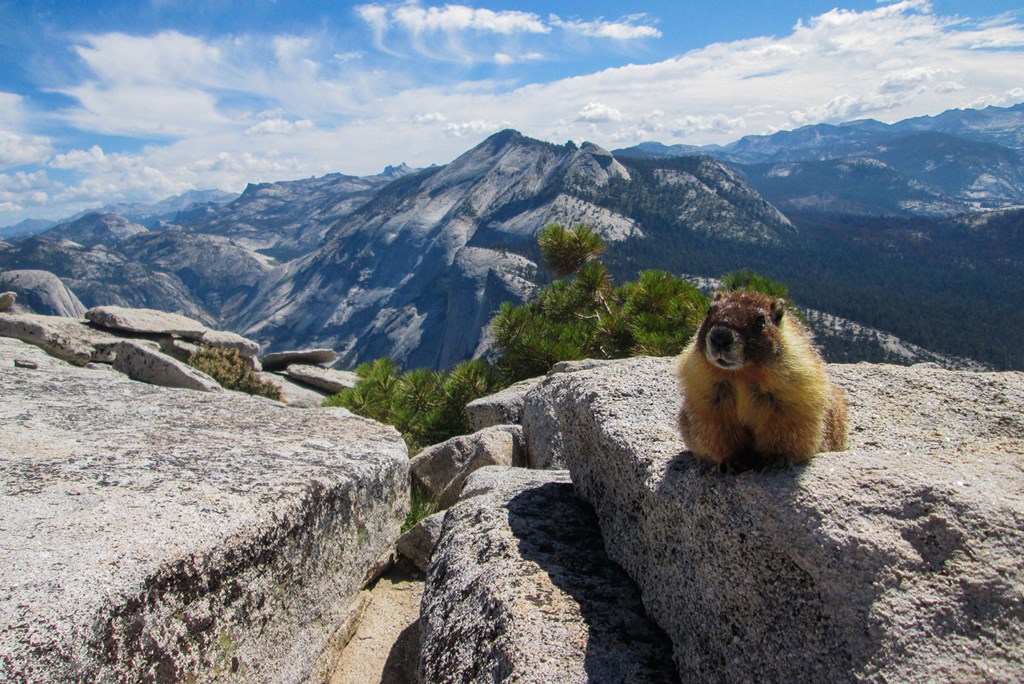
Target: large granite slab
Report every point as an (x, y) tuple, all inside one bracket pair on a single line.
[(898, 560), (519, 589), (157, 534)]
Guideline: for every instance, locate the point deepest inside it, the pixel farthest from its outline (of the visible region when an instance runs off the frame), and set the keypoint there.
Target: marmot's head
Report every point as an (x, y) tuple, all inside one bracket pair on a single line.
[(741, 329)]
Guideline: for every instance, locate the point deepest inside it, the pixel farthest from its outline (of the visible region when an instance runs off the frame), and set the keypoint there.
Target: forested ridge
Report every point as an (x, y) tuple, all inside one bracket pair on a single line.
[(952, 285)]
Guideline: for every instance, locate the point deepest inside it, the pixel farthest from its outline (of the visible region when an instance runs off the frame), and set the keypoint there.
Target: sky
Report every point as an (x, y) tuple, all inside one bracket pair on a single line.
[(104, 101)]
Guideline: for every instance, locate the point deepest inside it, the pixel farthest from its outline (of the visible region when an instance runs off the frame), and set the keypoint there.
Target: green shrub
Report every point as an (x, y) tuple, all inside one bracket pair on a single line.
[(746, 279), (228, 368), (427, 407), (421, 505)]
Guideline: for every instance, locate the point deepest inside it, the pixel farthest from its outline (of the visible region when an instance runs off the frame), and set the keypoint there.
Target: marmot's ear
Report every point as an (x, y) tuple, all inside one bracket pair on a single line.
[(778, 310)]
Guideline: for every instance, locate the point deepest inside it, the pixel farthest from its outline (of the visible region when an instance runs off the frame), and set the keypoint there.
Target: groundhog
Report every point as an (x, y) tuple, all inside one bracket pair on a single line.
[(754, 388)]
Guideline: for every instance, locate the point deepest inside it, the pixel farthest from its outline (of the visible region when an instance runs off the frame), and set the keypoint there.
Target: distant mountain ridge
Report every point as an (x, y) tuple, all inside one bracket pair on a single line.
[(412, 264), (289, 218), (147, 214), (408, 264), (417, 272), (958, 161), (1002, 126)]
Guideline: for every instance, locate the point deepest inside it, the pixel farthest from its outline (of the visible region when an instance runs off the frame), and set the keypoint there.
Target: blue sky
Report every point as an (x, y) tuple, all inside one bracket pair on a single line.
[(105, 101)]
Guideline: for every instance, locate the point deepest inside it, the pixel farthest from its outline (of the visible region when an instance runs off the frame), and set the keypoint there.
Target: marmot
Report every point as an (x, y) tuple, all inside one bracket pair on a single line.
[(754, 388)]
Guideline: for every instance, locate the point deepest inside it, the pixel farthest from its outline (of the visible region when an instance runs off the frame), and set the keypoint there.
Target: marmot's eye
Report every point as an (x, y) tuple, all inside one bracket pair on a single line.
[(760, 322)]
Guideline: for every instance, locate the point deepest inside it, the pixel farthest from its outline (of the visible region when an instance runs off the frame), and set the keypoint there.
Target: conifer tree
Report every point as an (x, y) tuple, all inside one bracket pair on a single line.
[(566, 251), (584, 315)]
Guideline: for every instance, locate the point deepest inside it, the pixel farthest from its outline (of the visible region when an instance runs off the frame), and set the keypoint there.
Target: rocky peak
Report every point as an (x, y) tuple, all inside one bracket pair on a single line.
[(595, 165), (402, 169)]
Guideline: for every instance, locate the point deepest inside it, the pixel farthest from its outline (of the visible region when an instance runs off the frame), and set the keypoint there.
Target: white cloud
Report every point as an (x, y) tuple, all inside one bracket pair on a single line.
[(147, 110), (475, 127), (264, 108), (376, 16), (292, 48), (351, 56), (452, 33), (1010, 97), (177, 86), (22, 190), (163, 85), (595, 112), (80, 159), (627, 29), (279, 126), (430, 117), (12, 109), (168, 57), (465, 34), (451, 18), (19, 149), (505, 59)]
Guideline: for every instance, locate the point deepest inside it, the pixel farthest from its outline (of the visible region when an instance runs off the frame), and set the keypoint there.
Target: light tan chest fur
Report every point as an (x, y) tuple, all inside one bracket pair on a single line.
[(755, 396)]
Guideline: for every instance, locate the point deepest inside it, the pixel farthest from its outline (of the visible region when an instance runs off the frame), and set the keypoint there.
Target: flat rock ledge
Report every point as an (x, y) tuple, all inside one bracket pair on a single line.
[(279, 361), (327, 379), (897, 560), (154, 534), (502, 408), (519, 589), (145, 321), (81, 342)]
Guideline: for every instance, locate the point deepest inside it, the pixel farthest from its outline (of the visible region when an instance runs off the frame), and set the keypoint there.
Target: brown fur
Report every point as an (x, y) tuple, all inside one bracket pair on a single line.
[(764, 397)]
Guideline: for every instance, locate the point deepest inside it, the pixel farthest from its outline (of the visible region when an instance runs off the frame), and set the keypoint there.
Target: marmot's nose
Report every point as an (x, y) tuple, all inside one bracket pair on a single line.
[(721, 337)]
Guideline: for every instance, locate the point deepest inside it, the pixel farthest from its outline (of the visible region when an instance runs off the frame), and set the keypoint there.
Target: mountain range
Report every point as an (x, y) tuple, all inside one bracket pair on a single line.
[(882, 224), (959, 161)]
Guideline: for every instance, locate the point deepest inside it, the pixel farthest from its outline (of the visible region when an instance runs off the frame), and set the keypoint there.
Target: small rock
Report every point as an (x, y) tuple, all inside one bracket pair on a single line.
[(443, 468), (106, 350), (281, 360), (577, 366), (224, 339), (502, 408), (146, 321), (139, 362), (292, 393), (25, 363), (328, 379), (418, 543), (66, 338), (178, 348)]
